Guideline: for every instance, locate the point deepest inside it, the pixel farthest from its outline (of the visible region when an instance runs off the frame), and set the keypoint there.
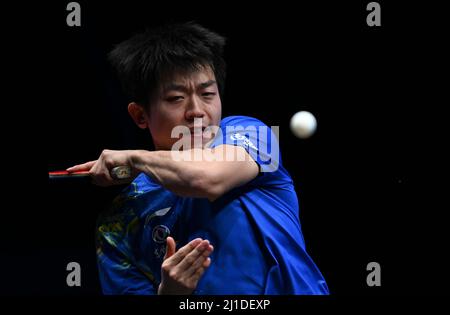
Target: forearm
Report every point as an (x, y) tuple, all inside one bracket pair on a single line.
[(203, 173), (182, 174)]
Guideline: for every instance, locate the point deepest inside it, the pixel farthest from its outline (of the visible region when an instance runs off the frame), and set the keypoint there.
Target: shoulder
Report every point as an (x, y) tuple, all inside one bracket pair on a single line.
[(258, 139), (241, 120)]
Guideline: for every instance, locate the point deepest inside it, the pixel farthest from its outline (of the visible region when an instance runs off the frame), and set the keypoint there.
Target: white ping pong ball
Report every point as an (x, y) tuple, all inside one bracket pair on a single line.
[(303, 124)]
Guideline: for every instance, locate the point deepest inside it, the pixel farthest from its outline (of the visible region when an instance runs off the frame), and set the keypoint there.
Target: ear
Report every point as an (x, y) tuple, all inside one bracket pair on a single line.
[(137, 112)]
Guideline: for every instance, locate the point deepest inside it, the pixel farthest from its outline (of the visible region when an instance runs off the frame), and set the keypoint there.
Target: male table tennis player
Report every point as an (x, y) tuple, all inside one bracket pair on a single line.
[(236, 222)]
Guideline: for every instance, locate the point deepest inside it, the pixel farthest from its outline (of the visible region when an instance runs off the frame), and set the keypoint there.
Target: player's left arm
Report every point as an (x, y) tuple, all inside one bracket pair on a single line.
[(204, 173)]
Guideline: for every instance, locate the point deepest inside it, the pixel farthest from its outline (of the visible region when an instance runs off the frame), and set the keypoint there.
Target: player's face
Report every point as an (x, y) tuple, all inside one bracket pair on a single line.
[(180, 100)]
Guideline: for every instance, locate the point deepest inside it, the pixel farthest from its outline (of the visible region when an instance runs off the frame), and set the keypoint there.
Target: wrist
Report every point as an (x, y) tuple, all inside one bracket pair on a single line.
[(136, 160)]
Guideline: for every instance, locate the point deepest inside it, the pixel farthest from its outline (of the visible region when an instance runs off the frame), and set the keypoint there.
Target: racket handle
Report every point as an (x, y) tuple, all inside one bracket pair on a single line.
[(121, 172)]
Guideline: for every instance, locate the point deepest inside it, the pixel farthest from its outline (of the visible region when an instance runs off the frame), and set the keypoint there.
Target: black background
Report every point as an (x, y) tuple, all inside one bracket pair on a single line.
[(370, 181)]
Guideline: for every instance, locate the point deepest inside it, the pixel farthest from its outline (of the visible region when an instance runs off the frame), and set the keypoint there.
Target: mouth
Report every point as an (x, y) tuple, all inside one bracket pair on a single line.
[(197, 131)]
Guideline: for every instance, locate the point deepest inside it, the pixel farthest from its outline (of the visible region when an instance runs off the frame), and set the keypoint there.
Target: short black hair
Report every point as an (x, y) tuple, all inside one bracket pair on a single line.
[(144, 60)]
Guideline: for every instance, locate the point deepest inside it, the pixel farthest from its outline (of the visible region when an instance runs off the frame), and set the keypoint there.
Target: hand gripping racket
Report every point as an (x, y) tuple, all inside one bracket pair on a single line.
[(118, 172)]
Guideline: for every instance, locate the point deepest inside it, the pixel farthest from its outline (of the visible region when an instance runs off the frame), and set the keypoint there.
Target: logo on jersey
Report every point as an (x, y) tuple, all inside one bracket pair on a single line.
[(160, 233), (159, 213), (247, 143)]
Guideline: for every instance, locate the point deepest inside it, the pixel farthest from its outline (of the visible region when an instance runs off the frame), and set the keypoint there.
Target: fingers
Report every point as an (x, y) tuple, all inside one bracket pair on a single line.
[(117, 162), (170, 248), (193, 256), (200, 261), (197, 274), (100, 174), (207, 263), (183, 251), (82, 167), (193, 279), (181, 271)]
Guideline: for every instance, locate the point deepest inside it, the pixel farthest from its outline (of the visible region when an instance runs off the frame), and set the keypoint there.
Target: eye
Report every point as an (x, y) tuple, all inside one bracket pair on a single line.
[(173, 99), (208, 94)]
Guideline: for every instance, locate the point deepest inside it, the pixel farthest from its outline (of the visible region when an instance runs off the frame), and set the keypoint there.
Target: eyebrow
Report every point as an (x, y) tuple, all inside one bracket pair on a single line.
[(182, 88), (207, 84)]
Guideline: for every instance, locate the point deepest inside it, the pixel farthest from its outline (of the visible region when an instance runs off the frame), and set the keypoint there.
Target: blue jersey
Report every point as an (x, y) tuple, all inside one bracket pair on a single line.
[(131, 238), (254, 228)]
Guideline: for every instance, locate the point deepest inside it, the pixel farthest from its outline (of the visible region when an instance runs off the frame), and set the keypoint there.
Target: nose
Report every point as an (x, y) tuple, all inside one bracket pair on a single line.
[(194, 109)]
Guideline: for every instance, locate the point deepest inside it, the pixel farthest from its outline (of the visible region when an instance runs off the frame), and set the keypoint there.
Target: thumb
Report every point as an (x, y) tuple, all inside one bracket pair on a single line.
[(170, 248)]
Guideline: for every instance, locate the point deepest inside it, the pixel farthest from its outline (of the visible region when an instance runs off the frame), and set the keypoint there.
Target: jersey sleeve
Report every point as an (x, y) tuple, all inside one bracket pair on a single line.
[(261, 143), (259, 140)]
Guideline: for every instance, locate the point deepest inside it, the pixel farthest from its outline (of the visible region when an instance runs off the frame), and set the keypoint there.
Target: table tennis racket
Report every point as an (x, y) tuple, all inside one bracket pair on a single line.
[(118, 172)]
